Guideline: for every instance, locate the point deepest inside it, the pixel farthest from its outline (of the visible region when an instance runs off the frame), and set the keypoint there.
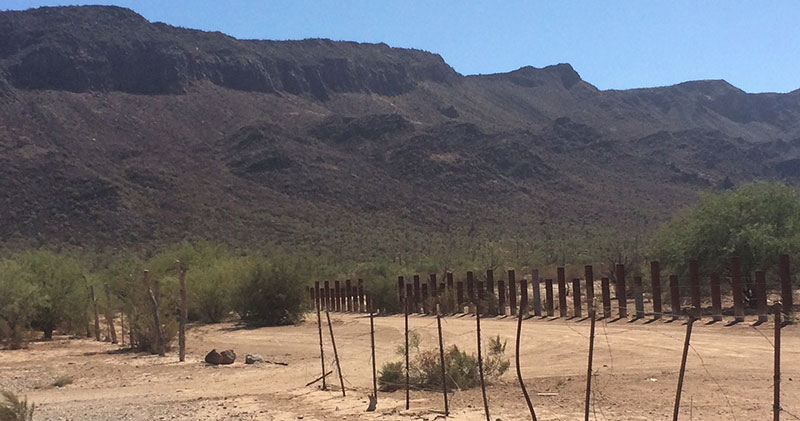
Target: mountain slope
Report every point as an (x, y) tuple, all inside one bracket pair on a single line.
[(120, 132)]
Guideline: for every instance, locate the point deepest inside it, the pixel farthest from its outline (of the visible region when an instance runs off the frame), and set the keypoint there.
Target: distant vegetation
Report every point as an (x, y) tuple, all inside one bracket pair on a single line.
[(48, 291), (756, 222)]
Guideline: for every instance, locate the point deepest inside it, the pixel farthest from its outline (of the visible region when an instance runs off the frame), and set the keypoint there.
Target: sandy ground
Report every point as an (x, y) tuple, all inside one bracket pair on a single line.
[(729, 374)]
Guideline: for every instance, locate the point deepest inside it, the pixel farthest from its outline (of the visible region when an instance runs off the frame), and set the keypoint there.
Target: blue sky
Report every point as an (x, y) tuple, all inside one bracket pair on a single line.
[(612, 44)]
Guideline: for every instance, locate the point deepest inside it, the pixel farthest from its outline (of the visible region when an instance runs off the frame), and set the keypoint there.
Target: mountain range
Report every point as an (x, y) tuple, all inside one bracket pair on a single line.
[(119, 132)]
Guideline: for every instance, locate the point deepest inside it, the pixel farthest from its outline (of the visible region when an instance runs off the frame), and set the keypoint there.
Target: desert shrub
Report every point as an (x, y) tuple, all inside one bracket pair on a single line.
[(18, 301), (63, 299), (756, 222), (62, 381), (12, 408), (461, 368), (271, 294)]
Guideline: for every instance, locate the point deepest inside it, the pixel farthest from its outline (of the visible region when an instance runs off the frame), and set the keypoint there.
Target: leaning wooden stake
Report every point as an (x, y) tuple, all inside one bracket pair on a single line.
[(112, 332), (335, 353), (480, 358), (184, 312), (683, 367), (319, 329), (372, 345), (523, 304), (162, 348), (593, 317), (96, 316), (776, 399), (441, 358)]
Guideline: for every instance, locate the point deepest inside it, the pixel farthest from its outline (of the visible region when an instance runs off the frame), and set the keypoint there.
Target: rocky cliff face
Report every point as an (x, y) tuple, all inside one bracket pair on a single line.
[(114, 49)]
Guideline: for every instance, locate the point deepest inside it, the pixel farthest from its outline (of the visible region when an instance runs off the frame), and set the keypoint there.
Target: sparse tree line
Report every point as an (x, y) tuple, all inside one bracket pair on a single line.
[(49, 292)]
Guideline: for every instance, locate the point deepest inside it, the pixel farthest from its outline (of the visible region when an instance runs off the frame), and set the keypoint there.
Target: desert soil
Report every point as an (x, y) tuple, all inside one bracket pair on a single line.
[(729, 373)]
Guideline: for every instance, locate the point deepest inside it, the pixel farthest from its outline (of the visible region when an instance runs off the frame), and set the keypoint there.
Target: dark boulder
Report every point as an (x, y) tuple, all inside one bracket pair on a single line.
[(228, 357), (214, 357)]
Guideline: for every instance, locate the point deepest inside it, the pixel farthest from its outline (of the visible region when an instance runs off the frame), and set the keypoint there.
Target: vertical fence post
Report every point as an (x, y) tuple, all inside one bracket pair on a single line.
[(736, 284), (694, 280), (548, 294), (562, 293), (716, 298), (537, 293), (523, 297), (501, 299), (523, 302), (638, 294), (683, 368), (401, 289), (761, 296), (372, 346), (424, 298), (470, 289), (786, 284), (337, 296), (184, 311), (776, 380), (348, 296), (592, 316), (655, 279), (605, 286), (409, 294), (489, 282), (480, 358), (160, 343), (417, 295), (622, 294), (441, 355), (512, 293), (576, 298), (327, 296), (675, 295)]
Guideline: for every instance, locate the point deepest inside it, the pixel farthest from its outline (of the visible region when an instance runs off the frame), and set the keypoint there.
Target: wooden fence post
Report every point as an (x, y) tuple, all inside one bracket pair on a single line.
[(605, 285), (335, 353), (562, 293), (512, 292), (184, 312), (549, 298), (537, 293), (480, 357), (523, 304), (683, 368), (577, 309), (592, 316), (348, 296), (319, 329)]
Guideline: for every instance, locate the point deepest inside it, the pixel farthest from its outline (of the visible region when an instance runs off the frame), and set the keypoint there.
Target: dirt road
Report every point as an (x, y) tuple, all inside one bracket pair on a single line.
[(729, 374)]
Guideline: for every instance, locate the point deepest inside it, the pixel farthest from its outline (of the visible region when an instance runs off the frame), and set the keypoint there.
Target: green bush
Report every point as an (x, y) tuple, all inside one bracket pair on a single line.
[(271, 294), (18, 301), (461, 368), (63, 300), (756, 222)]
